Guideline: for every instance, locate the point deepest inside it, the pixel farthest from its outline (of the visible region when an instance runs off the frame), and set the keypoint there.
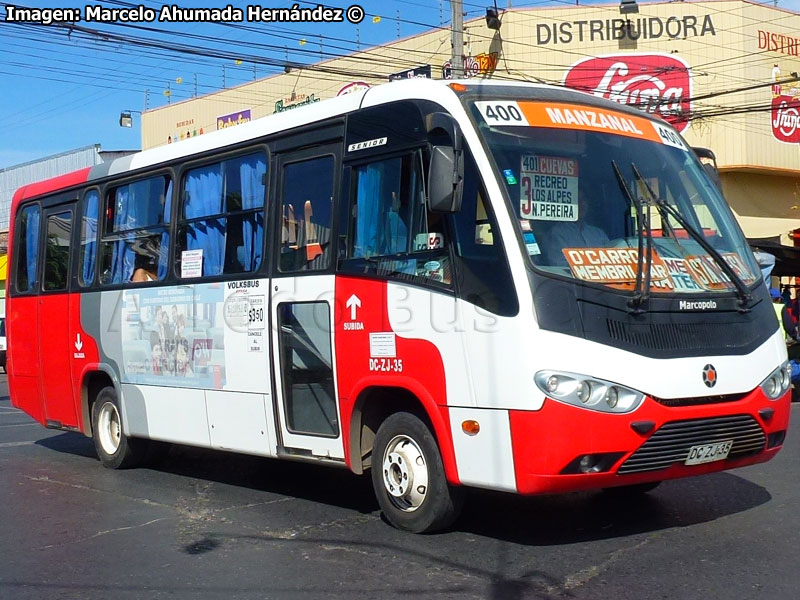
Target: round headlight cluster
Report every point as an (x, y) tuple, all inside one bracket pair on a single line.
[(584, 391), (588, 392), (778, 382), (612, 397)]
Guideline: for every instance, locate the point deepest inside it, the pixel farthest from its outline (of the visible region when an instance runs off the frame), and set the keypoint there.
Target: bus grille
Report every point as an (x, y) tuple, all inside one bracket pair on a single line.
[(671, 443), (676, 336), (673, 402)]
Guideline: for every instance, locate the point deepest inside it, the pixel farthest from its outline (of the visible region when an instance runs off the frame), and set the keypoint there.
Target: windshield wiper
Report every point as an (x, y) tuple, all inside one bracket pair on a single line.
[(662, 205), (641, 291)]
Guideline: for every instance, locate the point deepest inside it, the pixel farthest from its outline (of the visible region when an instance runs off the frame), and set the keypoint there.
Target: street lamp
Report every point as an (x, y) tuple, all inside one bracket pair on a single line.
[(126, 118), (627, 7), (493, 18)]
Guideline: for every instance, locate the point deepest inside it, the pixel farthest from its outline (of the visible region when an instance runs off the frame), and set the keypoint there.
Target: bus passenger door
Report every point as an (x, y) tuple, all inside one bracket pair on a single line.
[(301, 306), (55, 343)]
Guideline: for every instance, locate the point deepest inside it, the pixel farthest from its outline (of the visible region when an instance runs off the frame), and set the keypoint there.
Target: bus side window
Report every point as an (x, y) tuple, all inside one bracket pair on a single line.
[(91, 204), (56, 251), (390, 220), (222, 216), (306, 215), (27, 248), (135, 243), (482, 271)]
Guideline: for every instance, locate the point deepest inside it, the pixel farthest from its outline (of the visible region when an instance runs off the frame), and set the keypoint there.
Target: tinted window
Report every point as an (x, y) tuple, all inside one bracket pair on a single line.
[(89, 237), (56, 252), (135, 246), (482, 271), (27, 248), (392, 232), (222, 217), (139, 204), (306, 215)]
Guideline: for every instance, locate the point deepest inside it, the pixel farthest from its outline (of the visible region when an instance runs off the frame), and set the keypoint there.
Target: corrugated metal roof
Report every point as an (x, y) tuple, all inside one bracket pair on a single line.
[(13, 178)]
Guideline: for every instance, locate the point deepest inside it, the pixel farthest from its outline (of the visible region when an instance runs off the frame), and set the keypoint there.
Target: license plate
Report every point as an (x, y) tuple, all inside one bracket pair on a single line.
[(706, 453)]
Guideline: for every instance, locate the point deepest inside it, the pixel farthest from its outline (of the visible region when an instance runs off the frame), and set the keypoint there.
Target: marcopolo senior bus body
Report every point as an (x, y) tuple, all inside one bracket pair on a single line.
[(505, 286)]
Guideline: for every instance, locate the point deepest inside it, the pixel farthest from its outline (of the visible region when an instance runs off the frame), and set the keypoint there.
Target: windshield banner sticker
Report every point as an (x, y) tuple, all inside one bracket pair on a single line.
[(711, 276), (616, 266), (682, 277), (549, 188)]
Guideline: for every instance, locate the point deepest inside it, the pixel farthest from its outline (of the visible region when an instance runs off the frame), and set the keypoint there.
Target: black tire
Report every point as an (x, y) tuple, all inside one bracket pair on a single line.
[(114, 448), (632, 491), (405, 451)]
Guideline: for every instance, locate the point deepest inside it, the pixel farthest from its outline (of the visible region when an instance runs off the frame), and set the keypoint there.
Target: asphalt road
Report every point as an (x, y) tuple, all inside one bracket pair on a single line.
[(215, 525)]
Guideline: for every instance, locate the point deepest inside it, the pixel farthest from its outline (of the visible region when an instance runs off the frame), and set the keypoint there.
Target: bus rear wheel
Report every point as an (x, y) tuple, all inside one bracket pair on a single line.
[(114, 448), (408, 476)]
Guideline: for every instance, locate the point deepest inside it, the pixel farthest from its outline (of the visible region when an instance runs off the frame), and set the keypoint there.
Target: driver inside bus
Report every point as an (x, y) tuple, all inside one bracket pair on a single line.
[(575, 234)]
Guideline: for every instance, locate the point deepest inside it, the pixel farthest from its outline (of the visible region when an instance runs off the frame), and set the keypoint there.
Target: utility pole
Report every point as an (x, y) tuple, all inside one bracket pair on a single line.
[(457, 39)]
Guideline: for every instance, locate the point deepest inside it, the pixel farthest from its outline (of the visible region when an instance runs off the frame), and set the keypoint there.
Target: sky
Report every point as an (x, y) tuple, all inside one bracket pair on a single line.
[(61, 90)]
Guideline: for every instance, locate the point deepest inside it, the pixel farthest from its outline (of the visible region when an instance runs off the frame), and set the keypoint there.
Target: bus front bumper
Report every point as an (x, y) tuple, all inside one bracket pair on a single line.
[(564, 448)]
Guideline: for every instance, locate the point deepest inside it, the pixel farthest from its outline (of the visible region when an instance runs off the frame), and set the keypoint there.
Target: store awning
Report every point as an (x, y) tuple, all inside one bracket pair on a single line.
[(787, 258), (766, 227)]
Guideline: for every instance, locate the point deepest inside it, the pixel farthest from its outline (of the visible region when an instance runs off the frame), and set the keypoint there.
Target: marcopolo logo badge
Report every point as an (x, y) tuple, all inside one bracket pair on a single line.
[(786, 119), (710, 376), (658, 83)]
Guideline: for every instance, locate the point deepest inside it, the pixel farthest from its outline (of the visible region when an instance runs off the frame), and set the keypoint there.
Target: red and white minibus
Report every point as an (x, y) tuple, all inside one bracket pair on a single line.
[(505, 286)]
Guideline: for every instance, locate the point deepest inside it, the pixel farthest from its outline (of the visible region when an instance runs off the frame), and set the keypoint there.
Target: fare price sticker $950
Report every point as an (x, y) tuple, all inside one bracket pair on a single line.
[(256, 319)]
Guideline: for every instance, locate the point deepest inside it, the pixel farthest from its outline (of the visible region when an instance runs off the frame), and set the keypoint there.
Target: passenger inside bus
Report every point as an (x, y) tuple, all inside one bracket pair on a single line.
[(307, 206), (575, 234), (145, 265), (304, 242)]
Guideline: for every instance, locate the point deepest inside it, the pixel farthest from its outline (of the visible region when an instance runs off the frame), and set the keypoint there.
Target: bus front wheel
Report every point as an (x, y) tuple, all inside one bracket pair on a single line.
[(115, 449), (408, 476)]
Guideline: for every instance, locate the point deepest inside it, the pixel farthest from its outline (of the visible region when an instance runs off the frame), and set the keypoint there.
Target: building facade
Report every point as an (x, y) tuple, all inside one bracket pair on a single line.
[(13, 178), (724, 72)]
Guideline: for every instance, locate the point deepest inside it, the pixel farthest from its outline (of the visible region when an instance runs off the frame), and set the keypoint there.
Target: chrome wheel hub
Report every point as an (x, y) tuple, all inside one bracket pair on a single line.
[(405, 474)]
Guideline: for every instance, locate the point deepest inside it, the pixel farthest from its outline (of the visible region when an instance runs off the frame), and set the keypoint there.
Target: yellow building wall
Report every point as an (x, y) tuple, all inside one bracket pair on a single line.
[(727, 44), (722, 49)]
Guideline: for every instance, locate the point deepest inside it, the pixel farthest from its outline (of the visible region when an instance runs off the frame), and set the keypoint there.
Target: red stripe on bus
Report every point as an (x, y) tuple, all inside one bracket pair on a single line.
[(47, 186)]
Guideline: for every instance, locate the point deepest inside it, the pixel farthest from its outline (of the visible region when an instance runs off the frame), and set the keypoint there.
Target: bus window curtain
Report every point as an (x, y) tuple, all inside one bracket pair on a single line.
[(123, 256), (89, 236), (163, 249), (32, 245), (204, 197), (251, 173), (368, 210)]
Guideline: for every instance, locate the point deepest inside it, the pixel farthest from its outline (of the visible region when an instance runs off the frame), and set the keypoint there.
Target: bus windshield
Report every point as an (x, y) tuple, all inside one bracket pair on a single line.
[(599, 195)]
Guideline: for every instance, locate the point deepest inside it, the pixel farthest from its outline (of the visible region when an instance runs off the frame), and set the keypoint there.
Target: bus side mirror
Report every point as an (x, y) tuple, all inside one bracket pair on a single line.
[(445, 180), (446, 170)]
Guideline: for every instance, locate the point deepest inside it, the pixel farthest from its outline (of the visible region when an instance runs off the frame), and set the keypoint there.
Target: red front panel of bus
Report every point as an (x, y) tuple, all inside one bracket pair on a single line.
[(416, 367), (546, 441)]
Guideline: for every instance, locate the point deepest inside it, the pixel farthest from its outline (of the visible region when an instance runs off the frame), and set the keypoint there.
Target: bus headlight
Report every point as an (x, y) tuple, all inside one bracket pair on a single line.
[(778, 382), (588, 392)]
